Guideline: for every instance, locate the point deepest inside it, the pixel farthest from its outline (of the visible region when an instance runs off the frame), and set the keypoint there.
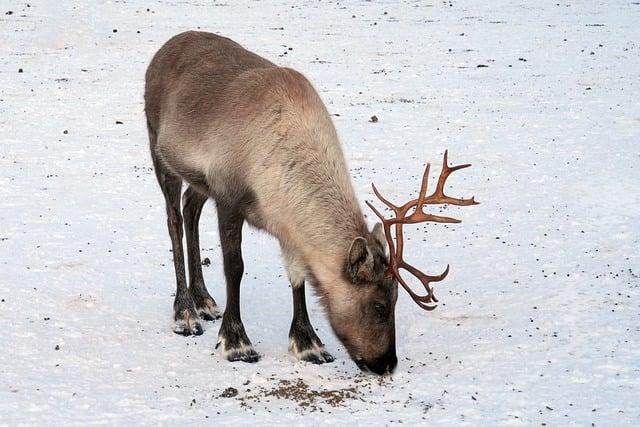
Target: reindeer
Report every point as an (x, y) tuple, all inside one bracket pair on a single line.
[(257, 139)]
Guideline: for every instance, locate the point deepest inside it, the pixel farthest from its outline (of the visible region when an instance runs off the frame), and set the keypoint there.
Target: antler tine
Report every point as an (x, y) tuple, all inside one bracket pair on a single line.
[(418, 217), (423, 188), (423, 301), (438, 195), (391, 206), (425, 279), (375, 211)]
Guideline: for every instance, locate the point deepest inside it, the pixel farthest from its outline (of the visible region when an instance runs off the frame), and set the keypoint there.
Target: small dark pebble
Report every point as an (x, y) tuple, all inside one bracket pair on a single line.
[(229, 392), (65, 131), (118, 122), (57, 347), (115, 30), (481, 66), (206, 262), (374, 119), (20, 70), (9, 12)]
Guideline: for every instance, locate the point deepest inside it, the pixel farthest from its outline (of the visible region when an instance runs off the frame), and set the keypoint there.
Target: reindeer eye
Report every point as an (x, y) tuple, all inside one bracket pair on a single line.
[(381, 310)]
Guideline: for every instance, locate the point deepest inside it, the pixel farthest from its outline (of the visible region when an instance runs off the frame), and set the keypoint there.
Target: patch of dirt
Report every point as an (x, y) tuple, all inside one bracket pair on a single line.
[(229, 392), (299, 392)]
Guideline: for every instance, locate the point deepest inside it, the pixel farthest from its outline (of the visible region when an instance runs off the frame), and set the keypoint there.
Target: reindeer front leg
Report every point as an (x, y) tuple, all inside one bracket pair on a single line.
[(232, 338), (304, 344)]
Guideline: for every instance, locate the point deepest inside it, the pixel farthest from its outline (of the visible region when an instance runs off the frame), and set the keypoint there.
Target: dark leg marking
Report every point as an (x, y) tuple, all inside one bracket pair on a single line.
[(206, 307), (232, 338), (304, 344)]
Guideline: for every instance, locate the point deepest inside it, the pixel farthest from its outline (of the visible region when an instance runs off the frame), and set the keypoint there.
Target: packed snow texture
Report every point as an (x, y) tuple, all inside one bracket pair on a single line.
[(539, 318)]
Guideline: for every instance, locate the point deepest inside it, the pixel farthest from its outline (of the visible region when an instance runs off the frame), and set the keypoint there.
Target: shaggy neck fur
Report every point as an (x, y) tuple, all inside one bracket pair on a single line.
[(324, 218)]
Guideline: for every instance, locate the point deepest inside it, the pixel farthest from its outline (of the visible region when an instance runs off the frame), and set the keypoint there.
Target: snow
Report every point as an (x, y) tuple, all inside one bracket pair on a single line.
[(539, 317)]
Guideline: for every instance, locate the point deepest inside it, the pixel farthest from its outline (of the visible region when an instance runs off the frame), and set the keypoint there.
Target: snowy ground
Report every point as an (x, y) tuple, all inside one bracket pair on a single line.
[(540, 319)]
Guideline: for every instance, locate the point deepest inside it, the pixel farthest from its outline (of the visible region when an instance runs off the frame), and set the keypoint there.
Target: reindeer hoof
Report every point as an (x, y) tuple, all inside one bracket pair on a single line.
[(241, 353), (314, 353), (186, 323), (208, 310), (206, 306), (319, 358), (186, 332), (247, 356)]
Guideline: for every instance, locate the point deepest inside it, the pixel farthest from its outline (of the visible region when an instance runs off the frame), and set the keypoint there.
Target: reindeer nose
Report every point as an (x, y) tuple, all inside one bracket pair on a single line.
[(385, 364)]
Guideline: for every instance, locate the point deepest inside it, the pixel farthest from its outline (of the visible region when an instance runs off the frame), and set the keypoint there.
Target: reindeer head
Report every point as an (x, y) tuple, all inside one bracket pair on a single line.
[(361, 311), (365, 320)]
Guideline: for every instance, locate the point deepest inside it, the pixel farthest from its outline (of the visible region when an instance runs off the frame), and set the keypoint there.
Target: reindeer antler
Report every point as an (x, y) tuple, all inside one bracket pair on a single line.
[(396, 261)]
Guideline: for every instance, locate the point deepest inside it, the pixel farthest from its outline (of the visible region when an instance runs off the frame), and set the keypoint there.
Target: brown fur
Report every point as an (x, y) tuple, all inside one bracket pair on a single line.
[(257, 138)]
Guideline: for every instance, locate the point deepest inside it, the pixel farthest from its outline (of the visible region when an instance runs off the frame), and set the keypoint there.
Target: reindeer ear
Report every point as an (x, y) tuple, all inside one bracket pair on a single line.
[(360, 261), (378, 234)]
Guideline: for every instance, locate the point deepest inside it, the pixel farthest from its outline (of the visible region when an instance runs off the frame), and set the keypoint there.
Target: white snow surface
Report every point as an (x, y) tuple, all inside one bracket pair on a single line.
[(539, 320)]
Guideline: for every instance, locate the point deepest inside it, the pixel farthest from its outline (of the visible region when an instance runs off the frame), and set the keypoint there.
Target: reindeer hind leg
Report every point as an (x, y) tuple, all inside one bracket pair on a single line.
[(184, 312), (193, 202)]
